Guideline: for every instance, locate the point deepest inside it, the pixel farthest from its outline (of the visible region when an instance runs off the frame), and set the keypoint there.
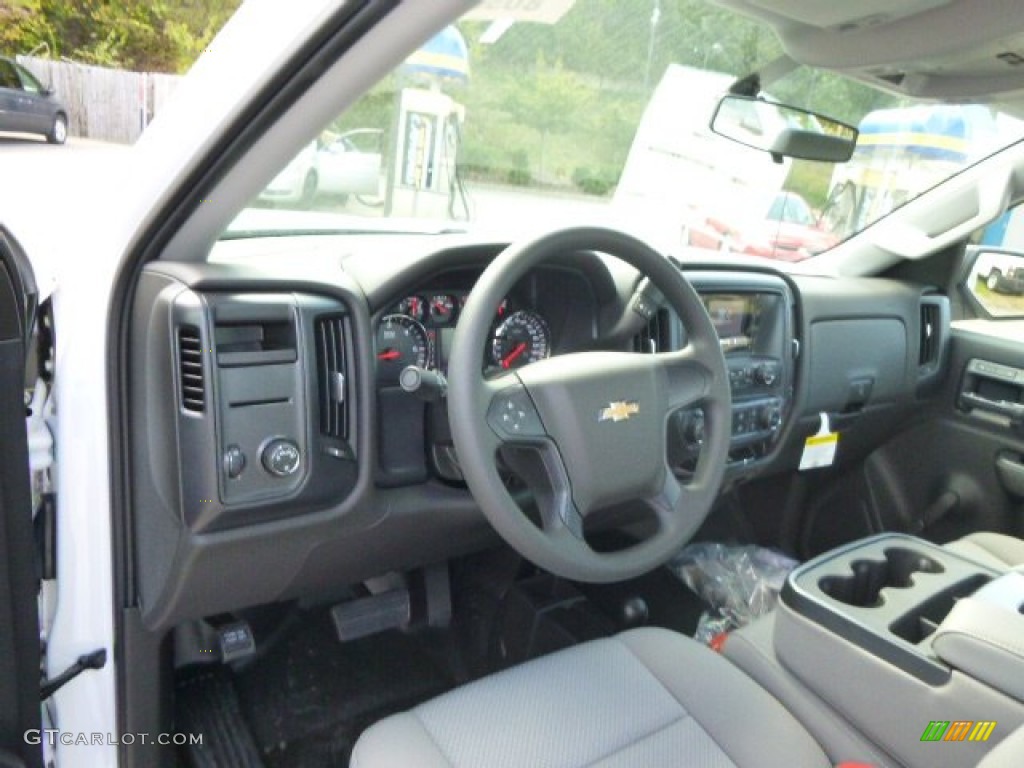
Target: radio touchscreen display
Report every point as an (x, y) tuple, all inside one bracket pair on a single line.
[(734, 316)]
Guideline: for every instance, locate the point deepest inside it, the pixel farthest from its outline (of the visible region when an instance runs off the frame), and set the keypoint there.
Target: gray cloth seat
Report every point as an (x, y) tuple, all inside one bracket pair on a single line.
[(995, 550), (648, 697)]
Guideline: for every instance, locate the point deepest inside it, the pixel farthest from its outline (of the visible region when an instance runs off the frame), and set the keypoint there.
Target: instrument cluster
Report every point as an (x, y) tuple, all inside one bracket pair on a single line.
[(418, 330)]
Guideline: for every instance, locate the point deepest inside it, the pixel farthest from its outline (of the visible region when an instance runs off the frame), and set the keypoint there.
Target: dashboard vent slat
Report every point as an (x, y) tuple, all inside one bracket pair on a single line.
[(331, 376), (930, 334), (190, 369), (654, 337)]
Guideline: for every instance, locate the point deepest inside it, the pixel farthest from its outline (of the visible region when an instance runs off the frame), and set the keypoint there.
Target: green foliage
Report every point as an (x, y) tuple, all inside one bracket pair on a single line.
[(553, 105), (592, 183), (540, 89), (811, 181), (160, 36)]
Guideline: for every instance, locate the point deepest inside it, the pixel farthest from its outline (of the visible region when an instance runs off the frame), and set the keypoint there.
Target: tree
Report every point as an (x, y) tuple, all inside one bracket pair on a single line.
[(161, 36), (552, 101)]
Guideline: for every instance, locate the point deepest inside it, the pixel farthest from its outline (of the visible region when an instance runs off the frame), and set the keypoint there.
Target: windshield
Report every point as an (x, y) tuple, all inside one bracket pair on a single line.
[(598, 110)]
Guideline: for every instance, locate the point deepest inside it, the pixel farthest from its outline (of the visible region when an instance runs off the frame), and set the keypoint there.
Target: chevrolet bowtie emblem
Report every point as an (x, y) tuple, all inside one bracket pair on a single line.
[(619, 410)]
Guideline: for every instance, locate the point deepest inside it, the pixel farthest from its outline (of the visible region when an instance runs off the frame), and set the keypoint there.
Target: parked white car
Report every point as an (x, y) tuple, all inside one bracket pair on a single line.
[(337, 168)]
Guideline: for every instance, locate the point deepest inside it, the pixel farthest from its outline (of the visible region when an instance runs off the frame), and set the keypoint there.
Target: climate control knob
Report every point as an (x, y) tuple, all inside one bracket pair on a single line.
[(765, 375), (281, 457)]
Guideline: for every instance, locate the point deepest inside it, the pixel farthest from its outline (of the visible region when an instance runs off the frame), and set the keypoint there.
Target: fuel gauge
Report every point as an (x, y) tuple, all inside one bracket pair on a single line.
[(442, 308)]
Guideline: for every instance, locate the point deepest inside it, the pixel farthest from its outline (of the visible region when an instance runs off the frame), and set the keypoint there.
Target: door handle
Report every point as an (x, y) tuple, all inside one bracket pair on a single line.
[(1010, 471), (1011, 410)]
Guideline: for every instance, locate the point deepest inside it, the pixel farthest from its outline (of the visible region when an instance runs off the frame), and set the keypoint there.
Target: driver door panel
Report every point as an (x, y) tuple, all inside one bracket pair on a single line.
[(19, 625)]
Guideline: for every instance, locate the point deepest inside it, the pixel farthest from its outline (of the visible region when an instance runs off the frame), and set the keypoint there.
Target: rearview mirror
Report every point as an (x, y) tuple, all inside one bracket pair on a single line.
[(782, 130)]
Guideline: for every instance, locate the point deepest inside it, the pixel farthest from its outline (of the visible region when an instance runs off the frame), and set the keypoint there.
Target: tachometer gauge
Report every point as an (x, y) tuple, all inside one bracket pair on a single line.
[(413, 306), (522, 338), (401, 341)]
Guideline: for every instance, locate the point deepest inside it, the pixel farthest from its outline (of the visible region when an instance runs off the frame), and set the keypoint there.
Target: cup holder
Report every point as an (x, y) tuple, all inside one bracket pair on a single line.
[(863, 589)]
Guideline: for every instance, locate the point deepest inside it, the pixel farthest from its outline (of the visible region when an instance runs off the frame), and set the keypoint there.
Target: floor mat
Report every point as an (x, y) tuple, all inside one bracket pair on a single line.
[(309, 698), (206, 702)]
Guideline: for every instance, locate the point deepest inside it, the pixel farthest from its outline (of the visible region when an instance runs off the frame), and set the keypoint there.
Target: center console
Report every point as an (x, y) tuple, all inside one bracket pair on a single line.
[(901, 641), (886, 595)]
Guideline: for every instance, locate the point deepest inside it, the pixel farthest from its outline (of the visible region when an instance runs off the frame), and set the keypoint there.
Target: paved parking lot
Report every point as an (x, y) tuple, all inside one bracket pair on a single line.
[(38, 185)]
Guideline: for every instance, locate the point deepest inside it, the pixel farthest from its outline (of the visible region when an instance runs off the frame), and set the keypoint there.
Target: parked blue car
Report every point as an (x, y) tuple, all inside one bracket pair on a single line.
[(27, 106)]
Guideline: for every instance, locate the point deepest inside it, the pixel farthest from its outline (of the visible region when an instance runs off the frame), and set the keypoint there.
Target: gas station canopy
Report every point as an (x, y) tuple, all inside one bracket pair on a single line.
[(444, 55)]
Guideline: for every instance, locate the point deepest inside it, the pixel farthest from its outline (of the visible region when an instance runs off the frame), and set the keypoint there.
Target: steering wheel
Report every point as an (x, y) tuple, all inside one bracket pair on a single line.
[(587, 430)]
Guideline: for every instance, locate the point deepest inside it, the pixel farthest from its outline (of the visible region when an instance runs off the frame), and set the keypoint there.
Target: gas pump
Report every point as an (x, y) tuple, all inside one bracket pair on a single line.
[(423, 179)]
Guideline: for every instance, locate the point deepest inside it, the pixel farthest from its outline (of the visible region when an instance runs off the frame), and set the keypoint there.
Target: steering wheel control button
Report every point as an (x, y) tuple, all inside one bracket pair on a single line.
[(281, 457), (512, 415), (644, 307), (234, 461)]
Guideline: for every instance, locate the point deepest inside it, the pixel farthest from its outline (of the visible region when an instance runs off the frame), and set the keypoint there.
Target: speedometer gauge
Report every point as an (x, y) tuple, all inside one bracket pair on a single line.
[(401, 341), (521, 339)]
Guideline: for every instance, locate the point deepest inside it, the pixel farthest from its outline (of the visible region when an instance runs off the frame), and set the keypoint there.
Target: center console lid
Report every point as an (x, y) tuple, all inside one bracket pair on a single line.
[(984, 635)]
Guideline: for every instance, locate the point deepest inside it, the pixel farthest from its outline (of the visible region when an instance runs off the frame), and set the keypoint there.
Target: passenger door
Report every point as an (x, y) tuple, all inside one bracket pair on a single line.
[(19, 622), (959, 466)]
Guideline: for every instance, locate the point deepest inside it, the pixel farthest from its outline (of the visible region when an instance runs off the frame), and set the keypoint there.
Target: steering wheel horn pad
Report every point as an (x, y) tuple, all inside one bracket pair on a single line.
[(601, 409)]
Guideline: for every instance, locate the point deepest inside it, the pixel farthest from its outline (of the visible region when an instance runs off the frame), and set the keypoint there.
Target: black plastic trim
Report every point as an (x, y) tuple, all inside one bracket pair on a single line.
[(331, 41)]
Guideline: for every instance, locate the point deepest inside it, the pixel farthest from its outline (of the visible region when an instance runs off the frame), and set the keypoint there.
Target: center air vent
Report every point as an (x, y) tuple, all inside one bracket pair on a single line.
[(655, 335), (190, 368), (331, 378)]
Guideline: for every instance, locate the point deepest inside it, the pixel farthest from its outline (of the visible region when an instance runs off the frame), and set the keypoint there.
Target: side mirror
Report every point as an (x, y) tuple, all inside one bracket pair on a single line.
[(996, 281), (783, 131)]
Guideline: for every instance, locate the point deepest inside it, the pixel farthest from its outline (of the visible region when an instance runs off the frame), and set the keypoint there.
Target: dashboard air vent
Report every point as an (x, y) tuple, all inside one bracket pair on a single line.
[(931, 330), (331, 375), (190, 369), (655, 335)]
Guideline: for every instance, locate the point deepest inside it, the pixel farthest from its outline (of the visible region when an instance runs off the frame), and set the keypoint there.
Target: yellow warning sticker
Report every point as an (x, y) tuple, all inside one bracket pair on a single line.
[(820, 448)]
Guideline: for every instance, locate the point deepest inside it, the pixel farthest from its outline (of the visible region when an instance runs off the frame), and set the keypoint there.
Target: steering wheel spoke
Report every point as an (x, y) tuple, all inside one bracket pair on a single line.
[(562, 520), (672, 504), (689, 380)]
